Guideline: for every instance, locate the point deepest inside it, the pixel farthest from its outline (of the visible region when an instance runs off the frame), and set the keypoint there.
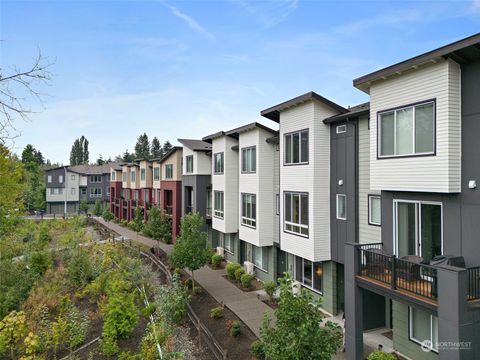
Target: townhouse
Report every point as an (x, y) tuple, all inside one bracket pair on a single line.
[(68, 185)]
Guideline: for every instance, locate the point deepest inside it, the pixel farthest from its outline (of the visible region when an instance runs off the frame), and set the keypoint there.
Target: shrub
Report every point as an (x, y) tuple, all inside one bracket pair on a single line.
[(107, 214), (257, 349), (246, 280), (121, 316), (238, 274), (216, 313), (40, 262), (235, 328), (380, 355), (149, 310), (127, 356), (108, 346), (172, 302), (80, 269), (270, 287), (231, 268), (216, 260), (97, 209), (44, 235), (211, 253)]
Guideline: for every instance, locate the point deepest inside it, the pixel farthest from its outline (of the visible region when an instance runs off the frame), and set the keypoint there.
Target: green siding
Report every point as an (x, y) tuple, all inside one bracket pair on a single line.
[(401, 342)]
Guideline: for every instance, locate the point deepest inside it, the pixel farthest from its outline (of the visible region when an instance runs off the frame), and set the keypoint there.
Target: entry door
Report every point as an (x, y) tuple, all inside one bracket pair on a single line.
[(418, 229), (281, 263)]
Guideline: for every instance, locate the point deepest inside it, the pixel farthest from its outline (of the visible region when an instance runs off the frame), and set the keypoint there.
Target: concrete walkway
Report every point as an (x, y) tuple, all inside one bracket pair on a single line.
[(245, 305)]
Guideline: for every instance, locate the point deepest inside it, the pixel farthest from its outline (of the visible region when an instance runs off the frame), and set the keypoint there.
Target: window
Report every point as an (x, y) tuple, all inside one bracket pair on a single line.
[(209, 203), (112, 176), (126, 194), (95, 178), (107, 191), (277, 204), (296, 147), (189, 164), (218, 163), (374, 210), (169, 171), (146, 195), (135, 195), (408, 130), (95, 192), (142, 174), (418, 229), (156, 173), (423, 326), (341, 129), (133, 176), (260, 257), (249, 160), (72, 177), (72, 191), (296, 213), (249, 210), (310, 274), (49, 178), (60, 179), (56, 191), (228, 241), (218, 204), (124, 176), (341, 206), (83, 191)]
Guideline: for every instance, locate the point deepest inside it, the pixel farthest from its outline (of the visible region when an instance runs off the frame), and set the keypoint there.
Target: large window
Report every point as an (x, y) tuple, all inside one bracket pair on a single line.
[(112, 176), (124, 176), (423, 328), (189, 164), (408, 130), (296, 213), (418, 228), (249, 160), (218, 204), (133, 176), (156, 173), (218, 163), (142, 174), (249, 210), (310, 274), (209, 204), (169, 171), (227, 241), (374, 210), (60, 179), (341, 206), (95, 192), (56, 191), (296, 147), (95, 178), (49, 178), (260, 257)]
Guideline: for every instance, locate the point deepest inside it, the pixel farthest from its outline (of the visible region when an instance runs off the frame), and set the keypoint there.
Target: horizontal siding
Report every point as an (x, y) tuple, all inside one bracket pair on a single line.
[(439, 173)]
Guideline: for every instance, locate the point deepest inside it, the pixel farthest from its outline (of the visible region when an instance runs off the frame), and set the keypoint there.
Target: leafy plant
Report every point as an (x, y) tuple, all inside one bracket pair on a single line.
[(190, 250), (270, 287), (107, 215), (109, 346), (231, 268), (149, 310), (97, 208), (246, 280), (80, 268), (158, 225), (236, 328), (238, 274), (257, 349), (172, 302), (40, 261), (127, 356), (121, 316), (216, 312), (84, 206), (13, 328), (216, 260), (137, 223), (380, 355)]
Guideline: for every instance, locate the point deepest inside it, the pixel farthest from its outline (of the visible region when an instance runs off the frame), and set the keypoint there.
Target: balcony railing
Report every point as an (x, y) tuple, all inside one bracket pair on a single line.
[(169, 209), (473, 278)]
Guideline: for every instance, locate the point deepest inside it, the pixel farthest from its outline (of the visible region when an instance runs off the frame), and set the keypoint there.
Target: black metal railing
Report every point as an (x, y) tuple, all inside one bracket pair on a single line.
[(375, 265), (473, 282)]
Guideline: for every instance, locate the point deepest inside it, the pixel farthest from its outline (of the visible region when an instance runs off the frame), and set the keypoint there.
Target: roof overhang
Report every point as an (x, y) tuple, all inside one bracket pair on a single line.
[(252, 126)]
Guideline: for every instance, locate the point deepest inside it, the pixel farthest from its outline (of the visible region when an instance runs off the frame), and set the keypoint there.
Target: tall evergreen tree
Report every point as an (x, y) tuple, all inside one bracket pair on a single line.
[(34, 189), (127, 156), (85, 152), (100, 160), (79, 153), (166, 147), (142, 147), (156, 149)]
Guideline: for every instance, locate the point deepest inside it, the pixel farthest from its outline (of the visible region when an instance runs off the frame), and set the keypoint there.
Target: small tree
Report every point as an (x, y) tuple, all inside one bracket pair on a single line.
[(84, 207), (97, 209), (137, 222), (107, 214), (297, 333), (190, 251)]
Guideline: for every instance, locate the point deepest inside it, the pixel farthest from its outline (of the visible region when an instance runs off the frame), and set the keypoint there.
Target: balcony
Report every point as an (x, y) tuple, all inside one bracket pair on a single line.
[(408, 276)]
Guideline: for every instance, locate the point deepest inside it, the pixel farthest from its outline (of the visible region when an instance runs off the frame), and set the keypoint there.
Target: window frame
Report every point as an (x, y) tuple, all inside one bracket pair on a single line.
[(167, 168), (124, 176), (394, 111), (60, 179), (143, 174), (249, 150), (336, 206), (94, 192), (95, 179), (219, 214), (156, 173), (417, 341), (215, 172), (300, 162), (277, 204), (49, 179), (291, 223), (133, 176), (370, 197), (72, 177), (244, 219), (312, 288), (188, 158), (83, 191), (341, 129), (231, 243), (264, 266)]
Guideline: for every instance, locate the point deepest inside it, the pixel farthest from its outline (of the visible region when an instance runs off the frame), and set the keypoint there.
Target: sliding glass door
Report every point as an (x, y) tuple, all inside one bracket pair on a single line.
[(418, 228)]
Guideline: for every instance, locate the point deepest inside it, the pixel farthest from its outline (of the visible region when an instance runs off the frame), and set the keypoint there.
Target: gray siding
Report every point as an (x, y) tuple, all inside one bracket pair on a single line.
[(55, 173), (199, 184), (104, 184)]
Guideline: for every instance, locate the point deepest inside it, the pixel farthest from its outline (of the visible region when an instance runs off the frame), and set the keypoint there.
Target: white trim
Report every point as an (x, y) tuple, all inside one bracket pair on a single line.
[(370, 197), (340, 129), (336, 206), (421, 342)]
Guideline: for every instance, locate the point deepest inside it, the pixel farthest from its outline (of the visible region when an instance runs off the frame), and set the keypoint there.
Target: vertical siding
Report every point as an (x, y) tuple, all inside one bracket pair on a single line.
[(439, 173), (367, 233)]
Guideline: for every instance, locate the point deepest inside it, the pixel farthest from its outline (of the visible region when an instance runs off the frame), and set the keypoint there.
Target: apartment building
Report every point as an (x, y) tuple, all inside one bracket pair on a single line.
[(116, 206), (423, 173), (72, 184)]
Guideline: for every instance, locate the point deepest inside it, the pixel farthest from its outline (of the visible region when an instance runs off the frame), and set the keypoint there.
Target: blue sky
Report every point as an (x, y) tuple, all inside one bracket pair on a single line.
[(185, 69)]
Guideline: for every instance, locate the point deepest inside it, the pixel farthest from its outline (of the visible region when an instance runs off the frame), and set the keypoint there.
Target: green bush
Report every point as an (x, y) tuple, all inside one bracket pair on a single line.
[(108, 346), (107, 214), (246, 280), (40, 261), (172, 302), (231, 268), (149, 310), (127, 356), (121, 316), (44, 235), (216, 260), (217, 312), (270, 287), (258, 350), (80, 268), (380, 355), (236, 328), (97, 208), (238, 274)]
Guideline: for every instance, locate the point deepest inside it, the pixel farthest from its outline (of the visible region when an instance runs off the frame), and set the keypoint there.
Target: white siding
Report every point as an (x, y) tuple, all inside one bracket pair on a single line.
[(126, 184), (202, 163), (228, 183), (367, 233), (67, 190), (261, 184), (439, 173), (156, 183), (313, 178), (276, 191)]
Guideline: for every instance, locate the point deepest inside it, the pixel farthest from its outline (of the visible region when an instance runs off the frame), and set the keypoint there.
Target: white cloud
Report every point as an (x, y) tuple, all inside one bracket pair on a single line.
[(191, 22), (476, 5), (269, 12)]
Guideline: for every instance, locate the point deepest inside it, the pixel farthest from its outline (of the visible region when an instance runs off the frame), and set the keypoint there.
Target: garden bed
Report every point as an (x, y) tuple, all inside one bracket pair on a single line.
[(255, 285)]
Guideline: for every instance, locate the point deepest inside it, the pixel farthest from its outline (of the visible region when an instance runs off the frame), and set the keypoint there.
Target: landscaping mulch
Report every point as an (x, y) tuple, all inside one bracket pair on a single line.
[(238, 348), (256, 285), (220, 267), (272, 304)]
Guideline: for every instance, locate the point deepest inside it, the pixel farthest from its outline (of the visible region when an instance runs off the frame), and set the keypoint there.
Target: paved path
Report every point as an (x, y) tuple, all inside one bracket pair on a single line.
[(245, 305)]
